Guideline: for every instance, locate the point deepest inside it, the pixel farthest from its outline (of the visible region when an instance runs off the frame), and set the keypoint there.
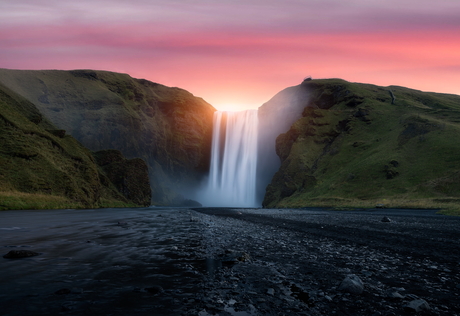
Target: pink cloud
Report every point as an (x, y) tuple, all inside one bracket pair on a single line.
[(247, 54)]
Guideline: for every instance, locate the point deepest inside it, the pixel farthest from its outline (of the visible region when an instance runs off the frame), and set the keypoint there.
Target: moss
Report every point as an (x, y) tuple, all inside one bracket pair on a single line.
[(167, 127), (44, 168), (368, 149)]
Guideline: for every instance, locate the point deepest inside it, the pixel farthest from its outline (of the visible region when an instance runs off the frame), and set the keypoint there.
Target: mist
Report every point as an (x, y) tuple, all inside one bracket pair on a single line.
[(244, 157)]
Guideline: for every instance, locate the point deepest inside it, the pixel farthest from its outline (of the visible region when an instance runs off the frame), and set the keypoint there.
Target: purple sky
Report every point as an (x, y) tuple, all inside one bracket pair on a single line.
[(238, 54)]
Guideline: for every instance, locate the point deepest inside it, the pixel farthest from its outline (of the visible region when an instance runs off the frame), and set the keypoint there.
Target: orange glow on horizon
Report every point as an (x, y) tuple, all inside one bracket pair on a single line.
[(240, 59)]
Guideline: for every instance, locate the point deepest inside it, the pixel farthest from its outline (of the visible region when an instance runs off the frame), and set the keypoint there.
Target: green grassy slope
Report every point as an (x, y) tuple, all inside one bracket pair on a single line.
[(167, 127), (42, 167), (353, 147)]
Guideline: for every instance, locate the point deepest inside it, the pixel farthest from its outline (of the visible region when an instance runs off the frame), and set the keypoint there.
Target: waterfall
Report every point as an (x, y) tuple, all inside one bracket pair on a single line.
[(232, 178)]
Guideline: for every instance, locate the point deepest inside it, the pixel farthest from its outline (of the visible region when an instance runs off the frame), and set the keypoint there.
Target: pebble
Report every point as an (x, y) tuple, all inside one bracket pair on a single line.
[(417, 306), (352, 284), (394, 294)]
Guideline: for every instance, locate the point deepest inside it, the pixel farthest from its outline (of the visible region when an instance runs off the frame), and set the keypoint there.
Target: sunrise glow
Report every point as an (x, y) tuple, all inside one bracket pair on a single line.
[(238, 54)]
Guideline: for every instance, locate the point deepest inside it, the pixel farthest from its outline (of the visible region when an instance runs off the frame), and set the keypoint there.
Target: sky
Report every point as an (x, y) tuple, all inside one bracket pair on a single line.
[(237, 54)]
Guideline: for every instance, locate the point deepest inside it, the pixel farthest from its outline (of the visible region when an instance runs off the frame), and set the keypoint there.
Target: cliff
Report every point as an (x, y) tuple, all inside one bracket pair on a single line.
[(275, 117), (360, 144), (43, 167), (167, 127)]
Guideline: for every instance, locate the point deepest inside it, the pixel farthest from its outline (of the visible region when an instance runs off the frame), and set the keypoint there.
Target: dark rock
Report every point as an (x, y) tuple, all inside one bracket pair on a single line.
[(393, 293), (385, 219), (63, 292), (130, 176), (17, 254), (362, 115), (394, 163), (391, 174), (352, 284), (156, 289), (417, 306), (235, 256)]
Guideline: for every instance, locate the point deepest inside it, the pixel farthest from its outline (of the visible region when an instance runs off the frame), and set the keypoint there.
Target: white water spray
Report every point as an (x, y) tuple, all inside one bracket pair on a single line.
[(232, 178)]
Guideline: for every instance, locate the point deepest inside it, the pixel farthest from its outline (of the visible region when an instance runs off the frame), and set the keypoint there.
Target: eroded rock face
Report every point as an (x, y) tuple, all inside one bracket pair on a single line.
[(130, 176), (167, 127)]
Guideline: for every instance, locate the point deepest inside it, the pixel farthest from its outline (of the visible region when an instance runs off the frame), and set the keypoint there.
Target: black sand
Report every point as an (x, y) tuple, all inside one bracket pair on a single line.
[(228, 262)]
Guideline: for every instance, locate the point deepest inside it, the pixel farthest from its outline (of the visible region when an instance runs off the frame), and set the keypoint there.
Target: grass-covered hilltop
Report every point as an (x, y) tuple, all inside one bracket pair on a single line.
[(44, 168), (169, 128), (86, 138), (365, 145)]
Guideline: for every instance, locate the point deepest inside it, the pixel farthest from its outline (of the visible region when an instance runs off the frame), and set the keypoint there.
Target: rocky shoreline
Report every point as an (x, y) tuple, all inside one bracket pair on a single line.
[(332, 263), (230, 262)]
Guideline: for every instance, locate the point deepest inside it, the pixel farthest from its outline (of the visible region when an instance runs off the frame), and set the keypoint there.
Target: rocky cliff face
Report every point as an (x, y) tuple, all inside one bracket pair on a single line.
[(275, 117), (43, 167), (129, 176), (357, 142), (169, 128)]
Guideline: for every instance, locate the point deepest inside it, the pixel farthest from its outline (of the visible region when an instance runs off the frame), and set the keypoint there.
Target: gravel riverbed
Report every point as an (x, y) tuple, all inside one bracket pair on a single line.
[(216, 261)]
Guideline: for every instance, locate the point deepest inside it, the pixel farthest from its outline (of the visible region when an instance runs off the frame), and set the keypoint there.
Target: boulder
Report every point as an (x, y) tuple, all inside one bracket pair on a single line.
[(17, 254)]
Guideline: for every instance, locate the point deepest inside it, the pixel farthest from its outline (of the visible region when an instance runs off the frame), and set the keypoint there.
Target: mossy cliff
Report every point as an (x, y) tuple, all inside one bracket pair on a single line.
[(43, 167), (360, 144), (129, 176), (167, 127)]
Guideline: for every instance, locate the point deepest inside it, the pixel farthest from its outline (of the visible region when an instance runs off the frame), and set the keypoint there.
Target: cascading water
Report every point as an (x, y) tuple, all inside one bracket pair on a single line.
[(232, 178)]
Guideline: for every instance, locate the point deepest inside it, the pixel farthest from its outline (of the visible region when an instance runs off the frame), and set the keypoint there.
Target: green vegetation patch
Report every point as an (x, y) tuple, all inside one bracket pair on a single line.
[(42, 167), (357, 144)]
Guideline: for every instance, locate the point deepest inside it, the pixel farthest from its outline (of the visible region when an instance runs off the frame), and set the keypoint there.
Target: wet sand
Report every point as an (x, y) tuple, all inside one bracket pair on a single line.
[(212, 261)]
